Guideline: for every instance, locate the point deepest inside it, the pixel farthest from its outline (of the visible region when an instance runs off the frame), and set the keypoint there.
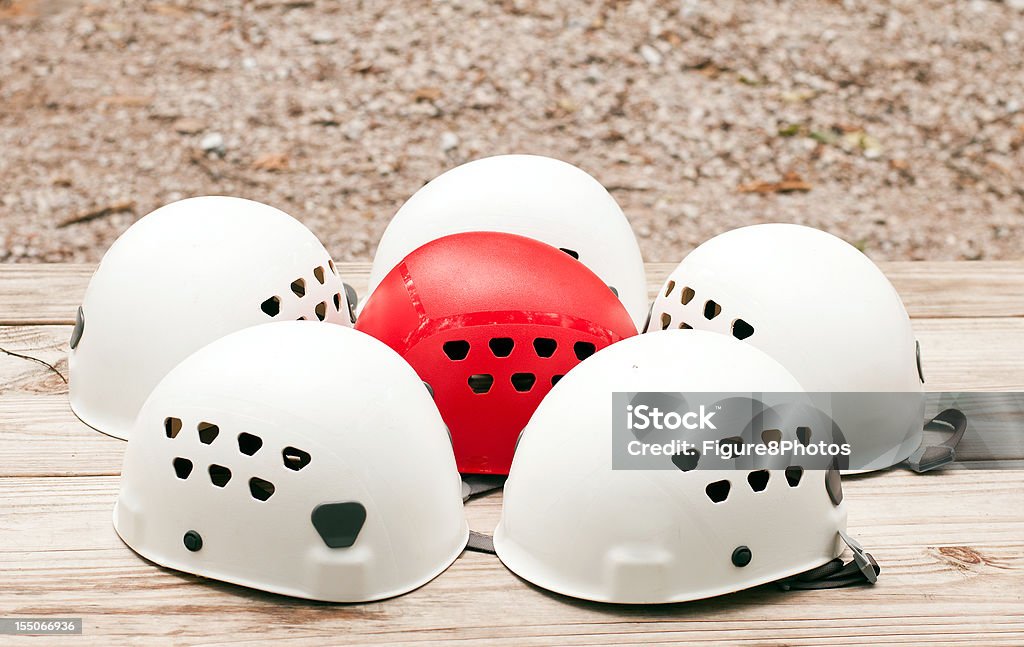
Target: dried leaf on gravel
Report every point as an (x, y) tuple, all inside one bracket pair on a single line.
[(271, 162), (791, 183)]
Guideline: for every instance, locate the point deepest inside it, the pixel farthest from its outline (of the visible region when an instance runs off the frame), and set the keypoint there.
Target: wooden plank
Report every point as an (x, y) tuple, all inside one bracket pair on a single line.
[(958, 355), (961, 355), (953, 573), (51, 293)]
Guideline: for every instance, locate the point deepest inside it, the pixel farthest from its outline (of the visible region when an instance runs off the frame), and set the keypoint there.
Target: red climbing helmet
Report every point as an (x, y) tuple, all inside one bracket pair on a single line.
[(490, 321)]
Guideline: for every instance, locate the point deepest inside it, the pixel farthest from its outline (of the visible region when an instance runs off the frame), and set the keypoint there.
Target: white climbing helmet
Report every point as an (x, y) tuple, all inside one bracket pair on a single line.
[(296, 458), (529, 195), (825, 312), (183, 276), (572, 524)]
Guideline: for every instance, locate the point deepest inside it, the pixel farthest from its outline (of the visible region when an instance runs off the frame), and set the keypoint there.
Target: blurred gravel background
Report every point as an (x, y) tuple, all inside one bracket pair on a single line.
[(896, 125)]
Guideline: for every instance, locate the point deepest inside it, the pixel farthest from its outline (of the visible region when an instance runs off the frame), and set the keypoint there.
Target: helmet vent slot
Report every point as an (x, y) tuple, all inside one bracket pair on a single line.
[(666, 320), (555, 379), (545, 347), (671, 285), (571, 252), (481, 383), (337, 301), (793, 475), (803, 434), (295, 459), (583, 349), (686, 460), (330, 264), (523, 382), (271, 307), (249, 444), (219, 475), (741, 329), (685, 326), (771, 436), (501, 346), (260, 490), (687, 295), (758, 480), (614, 290), (734, 442), (299, 287), (456, 350), (208, 432), (318, 272), (321, 310), (182, 467), (711, 309), (718, 491), (172, 426)]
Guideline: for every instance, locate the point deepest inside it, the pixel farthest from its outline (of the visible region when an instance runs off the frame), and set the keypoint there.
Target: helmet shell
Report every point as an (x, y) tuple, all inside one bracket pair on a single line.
[(823, 310), (308, 460), (573, 525), (490, 321), (529, 195), (181, 277)]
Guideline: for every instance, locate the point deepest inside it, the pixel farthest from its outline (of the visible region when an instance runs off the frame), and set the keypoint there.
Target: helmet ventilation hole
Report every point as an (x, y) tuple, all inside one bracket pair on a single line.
[(758, 480), (583, 349), (671, 285), (555, 379), (834, 486), (321, 310), (172, 426), (523, 382), (456, 350), (545, 347), (219, 475), (330, 264), (793, 475), (249, 444), (208, 432), (501, 346), (299, 287), (295, 459), (741, 329), (733, 442), (666, 320), (711, 310), (318, 272), (481, 383), (182, 467), (571, 252), (685, 326), (803, 434), (614, 290), (686, 296), (271, 307), (337, 301), (718, 491), (259, 489), (686, 460), (771, 436)]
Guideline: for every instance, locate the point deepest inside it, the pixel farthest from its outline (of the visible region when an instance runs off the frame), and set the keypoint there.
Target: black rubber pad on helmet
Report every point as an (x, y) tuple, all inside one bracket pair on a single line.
[(339, 523)]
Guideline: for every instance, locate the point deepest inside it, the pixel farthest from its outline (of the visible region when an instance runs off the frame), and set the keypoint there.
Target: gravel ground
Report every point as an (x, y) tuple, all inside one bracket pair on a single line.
[(897, 125)]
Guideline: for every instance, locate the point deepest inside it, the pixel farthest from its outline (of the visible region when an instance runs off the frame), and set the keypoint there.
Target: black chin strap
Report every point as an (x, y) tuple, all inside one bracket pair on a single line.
[(836, 574), (476, 484), (931, 456)]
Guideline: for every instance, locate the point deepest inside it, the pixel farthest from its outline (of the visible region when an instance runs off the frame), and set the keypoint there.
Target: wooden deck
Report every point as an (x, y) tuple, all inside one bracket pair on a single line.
[(951, 543)]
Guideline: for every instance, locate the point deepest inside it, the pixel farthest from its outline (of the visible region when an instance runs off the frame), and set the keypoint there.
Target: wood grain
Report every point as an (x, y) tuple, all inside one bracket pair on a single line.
[(51, 294), (953, 573)]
